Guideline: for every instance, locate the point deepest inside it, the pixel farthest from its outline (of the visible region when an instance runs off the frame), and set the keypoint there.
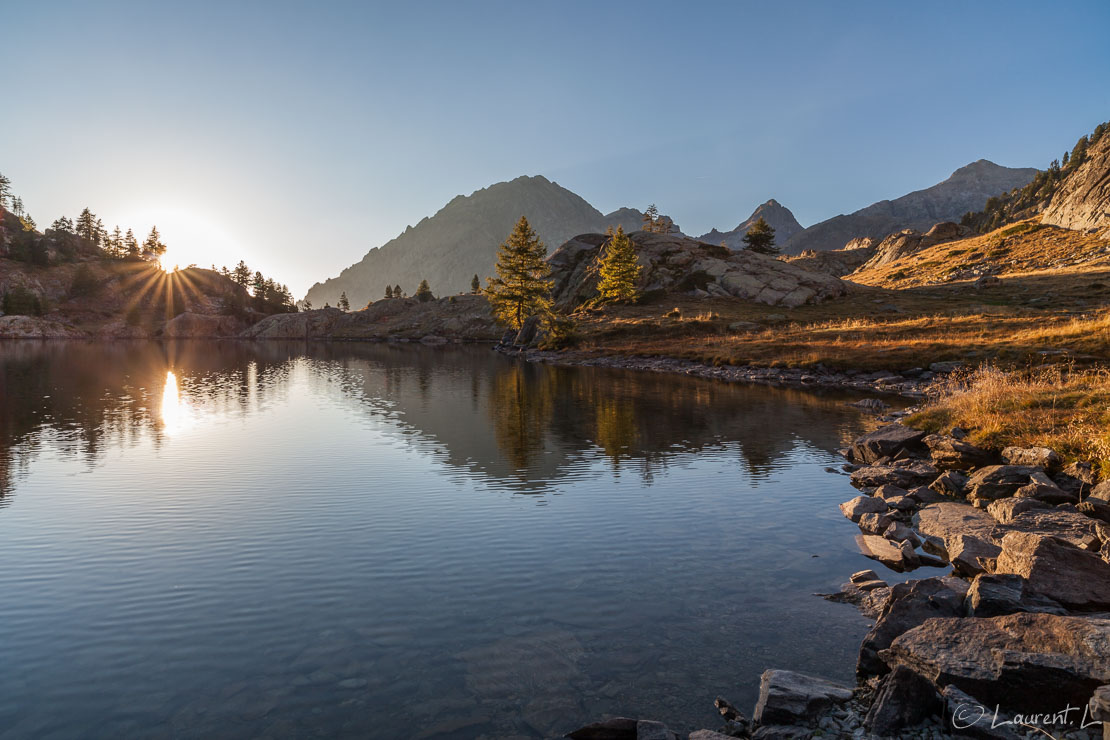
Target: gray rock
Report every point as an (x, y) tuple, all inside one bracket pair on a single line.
[(786, 697), (899, 532), (905, 475), (1063, 523), (1095, 508), (1014, 660), (781, 732), (997, 594), (968, 717), (999, 481), (899, 556), (1049, 494), (885, 442), (953, 454), (1072, 577), (904, 699), (971, 555), (861, 505), (1040, 457), (708, 735), (864, 575), (1005, 509), (647, 729), (950, 483), (910, 604), (872, 523), (1100, 704)]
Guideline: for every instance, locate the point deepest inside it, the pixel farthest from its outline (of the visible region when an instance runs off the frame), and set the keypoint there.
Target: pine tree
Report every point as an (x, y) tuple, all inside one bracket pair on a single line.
[(115, 244), (521, 288), (397, 292), (619, 269), (258, 285), (651, 214), (153, 244), (17, 205), (664, 225), (761, 238), (5, 190), (86, 225), (475, 284), (343, 304), (306, 305), (389, 291), (131, 244), (423, 292), (241, 274)]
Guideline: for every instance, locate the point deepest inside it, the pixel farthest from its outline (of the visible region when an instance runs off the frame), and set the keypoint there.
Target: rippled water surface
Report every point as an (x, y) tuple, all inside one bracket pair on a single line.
[(230, 540)]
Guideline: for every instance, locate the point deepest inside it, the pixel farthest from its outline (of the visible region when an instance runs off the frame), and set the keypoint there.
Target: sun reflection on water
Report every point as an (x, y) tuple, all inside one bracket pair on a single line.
[(175, 410)]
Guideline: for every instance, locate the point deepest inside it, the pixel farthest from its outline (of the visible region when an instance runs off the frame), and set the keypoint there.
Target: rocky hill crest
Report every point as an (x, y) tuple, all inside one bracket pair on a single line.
[(774, 213)]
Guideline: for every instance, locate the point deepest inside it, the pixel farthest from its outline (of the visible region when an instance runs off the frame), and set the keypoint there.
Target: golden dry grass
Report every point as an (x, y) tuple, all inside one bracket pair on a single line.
[(1056, 407), (1015, 249)]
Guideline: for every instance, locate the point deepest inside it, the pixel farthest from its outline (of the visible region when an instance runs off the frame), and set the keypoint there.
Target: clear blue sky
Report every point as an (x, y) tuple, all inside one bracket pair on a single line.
[(300, 135)]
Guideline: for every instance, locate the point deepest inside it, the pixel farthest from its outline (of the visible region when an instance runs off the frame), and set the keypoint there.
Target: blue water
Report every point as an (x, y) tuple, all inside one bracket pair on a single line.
[(234, 540)]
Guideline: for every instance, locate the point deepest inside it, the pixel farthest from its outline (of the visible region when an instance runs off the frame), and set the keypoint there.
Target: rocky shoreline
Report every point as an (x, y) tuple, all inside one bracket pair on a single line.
[(1012, 641)]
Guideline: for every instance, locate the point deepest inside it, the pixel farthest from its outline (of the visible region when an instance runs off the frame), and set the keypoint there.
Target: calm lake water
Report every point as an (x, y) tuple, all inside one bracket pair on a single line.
[(233, 540)]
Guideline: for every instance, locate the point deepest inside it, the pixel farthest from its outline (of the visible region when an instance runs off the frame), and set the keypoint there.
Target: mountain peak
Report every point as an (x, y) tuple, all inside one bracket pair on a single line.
[(774, 213)]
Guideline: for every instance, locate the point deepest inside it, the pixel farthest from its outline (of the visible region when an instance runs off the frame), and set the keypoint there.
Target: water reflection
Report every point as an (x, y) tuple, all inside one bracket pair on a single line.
[(518, 425), (373, 540)]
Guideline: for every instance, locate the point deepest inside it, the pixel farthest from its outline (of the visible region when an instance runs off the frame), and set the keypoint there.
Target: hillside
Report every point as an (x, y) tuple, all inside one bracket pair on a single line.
[(1082, 200), (967, 189), (774, 213), (462, 238)]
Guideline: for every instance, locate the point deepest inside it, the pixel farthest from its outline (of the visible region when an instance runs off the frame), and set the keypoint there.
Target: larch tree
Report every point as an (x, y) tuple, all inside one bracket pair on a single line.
[(761, 238), (397, 292), (521, 288), (389, 291), (343, 304), (619, 269), (423, 292), (651, 214), (475, 284)]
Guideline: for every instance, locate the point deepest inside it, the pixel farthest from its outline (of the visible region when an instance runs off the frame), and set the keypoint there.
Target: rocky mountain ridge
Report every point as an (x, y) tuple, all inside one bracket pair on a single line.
[(1082, 201), (462, 239), (967, 189), (774, 213)]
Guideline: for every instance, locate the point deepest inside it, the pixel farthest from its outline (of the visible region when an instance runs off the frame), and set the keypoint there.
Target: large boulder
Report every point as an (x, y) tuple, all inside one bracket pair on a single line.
[(945, 522), (885, 442), (1041, 457), (1075, 578), (954, 454), (1064, 523), (903, 473), (999, 481), (1030, 662), (786, 697), (675, 263), (1082, 200), (996, 594), (909, 605), (861, 505), (898, 556), (904, 699)]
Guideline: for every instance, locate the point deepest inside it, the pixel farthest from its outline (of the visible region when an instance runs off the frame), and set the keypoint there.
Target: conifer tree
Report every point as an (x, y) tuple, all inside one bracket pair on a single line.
[(651, 214), (397, 292), (619, 269), (306, 305), (241, 274), (131, 244), (761, 238), (17, 205), (5, 190), (423, 292), (475, 284), (86, 225), (521, 288), (153, 244), (343, 304), (389, 291)]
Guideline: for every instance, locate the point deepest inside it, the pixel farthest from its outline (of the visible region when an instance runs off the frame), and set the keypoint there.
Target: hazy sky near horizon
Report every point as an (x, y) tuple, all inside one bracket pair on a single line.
[(300, 135)]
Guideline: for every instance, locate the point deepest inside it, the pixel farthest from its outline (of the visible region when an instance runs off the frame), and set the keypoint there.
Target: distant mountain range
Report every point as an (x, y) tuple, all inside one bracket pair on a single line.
[(967, 189), (462, 238), (774, 213)]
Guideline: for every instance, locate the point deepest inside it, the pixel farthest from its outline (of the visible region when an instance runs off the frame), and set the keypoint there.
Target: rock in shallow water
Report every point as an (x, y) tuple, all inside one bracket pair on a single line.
[(904, 699)]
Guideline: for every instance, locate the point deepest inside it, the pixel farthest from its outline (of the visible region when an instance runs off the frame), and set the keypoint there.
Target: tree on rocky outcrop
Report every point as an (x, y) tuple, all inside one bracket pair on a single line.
[(761, 238), (475, 284), (397, 292), (86, 225), (343, 304), (306, 305), (241, 274), (521, 288), (619, 269), (5, 191), (153, 245), (17, 206), (389, 291), (423, 292), (131, 245), (651, 215)]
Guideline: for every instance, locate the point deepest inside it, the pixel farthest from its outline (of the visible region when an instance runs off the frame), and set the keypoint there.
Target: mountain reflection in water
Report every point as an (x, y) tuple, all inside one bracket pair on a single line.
[(234, 540)]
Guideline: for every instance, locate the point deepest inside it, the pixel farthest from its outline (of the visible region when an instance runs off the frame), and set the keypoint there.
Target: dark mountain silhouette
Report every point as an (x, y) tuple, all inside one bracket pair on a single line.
[(777, 215)]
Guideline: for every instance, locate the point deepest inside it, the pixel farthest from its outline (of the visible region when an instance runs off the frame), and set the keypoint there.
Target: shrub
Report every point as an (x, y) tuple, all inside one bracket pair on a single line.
[(84, 282), (20, 301)]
